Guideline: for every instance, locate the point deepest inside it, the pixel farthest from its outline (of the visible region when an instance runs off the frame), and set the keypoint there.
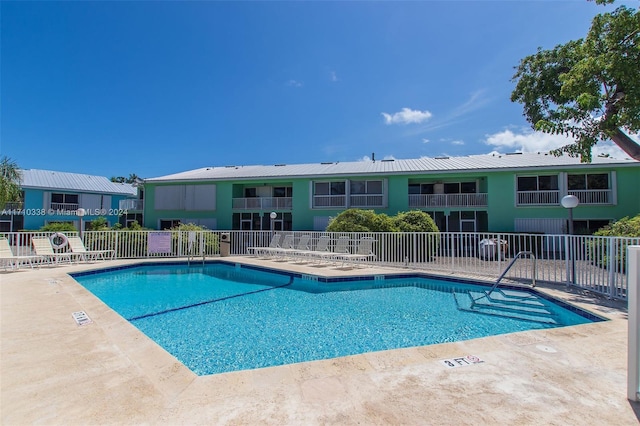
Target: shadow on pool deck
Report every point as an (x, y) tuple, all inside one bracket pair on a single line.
[(107, 372)]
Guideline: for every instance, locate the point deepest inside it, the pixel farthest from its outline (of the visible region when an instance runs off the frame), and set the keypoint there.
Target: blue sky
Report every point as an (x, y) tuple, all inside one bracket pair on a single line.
[(154, 88)]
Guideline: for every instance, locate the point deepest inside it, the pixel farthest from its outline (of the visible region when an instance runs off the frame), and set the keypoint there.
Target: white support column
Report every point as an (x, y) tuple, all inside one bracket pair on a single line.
[(633, 293)]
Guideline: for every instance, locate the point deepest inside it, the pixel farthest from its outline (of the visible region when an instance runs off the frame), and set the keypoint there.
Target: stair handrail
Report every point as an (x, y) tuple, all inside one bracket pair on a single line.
[(516, 257)]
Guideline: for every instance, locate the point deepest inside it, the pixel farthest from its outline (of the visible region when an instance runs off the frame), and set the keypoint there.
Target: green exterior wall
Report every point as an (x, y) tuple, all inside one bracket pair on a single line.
[(499, 185)]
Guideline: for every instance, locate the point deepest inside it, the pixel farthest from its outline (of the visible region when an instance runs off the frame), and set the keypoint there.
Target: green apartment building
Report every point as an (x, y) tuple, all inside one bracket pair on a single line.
[(519, 192)]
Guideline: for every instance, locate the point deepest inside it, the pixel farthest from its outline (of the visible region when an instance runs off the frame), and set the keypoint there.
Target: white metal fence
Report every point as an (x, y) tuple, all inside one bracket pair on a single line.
[(595, 263)]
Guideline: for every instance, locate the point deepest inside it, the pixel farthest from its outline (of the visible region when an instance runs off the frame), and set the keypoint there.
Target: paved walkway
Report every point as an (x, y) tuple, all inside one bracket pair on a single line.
[(55, 372)]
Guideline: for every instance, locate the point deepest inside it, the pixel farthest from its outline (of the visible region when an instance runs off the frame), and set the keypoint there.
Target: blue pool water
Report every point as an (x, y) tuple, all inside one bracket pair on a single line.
[(221, 317)]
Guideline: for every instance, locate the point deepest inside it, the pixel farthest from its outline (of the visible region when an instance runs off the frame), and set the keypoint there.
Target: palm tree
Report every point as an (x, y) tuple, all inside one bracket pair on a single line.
[(10, 179)]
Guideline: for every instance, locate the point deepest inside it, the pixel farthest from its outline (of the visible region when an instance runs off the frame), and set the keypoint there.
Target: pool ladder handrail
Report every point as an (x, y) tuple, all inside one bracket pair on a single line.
[(516, 257), (191, 256), (513, 261)]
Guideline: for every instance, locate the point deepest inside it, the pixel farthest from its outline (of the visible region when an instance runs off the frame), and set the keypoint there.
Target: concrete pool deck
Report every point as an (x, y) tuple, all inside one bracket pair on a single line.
[(53, 371)]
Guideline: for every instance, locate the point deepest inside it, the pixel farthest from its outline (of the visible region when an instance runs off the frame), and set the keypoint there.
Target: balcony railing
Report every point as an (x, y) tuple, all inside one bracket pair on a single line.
[(538, 197), (64, 206), (447, 200), (593, 196), (328, 201), (366, 201), (14, 206), (340, 201), (132, 204), (262, 203)]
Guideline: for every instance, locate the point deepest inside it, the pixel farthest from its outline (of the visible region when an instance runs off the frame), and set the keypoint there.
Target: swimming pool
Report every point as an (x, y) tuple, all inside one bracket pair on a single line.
[(222, 317)]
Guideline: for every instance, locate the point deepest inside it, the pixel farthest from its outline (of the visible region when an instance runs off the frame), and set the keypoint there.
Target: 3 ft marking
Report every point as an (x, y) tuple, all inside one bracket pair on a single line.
[(462, 361)]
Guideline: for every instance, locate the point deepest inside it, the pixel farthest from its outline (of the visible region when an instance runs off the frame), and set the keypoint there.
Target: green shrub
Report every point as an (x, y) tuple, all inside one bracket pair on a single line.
[(58, 227), (180, 240), (98, 224), (415, 221), (415, 247), (357, 220), (625, 227)]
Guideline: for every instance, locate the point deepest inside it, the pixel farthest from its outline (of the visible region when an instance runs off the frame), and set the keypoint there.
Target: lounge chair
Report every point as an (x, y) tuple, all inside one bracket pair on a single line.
[(363, 252), (342, 247), (42, 246), (9, 259), (302, 246), (257, 250), (321, 247), (77, 247), (286, 244)]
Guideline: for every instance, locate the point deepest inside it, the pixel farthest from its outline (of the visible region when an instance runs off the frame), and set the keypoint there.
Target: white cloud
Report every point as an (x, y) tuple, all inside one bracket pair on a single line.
[(406, 116), (425, 140), (294, 83), (333, 76), (457, 143), (530, 141)]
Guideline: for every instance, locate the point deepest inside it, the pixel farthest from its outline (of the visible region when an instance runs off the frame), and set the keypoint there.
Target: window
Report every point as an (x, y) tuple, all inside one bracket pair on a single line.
[(283, 191), (589, 226), (458, 188), (373, 187), (170, 197), (185, 197), (330, 188), (338, 188), (588, 181), (170, 223), (538, 183), (322, 188), (200, 197), (537, 190), (420, 188), (468, 187), (64, 198), (451, 188)]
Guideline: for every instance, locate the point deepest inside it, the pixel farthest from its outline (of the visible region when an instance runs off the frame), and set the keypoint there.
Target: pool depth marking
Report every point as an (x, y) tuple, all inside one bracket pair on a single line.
[(81, 318), (206, 302), (462, 361)]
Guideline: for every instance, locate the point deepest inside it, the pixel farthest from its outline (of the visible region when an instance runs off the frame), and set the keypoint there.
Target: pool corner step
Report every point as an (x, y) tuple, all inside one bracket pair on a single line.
[(480, 303)]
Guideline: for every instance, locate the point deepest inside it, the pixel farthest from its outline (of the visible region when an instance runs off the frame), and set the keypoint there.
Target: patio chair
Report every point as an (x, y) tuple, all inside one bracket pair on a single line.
[(78, 247), (9, 259), (363, 252), (257, 250), (42, 246)]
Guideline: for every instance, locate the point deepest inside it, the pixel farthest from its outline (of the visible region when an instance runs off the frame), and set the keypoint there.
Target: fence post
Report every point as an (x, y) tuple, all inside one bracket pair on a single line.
[(633, 295), (567, 256), (612, 252)]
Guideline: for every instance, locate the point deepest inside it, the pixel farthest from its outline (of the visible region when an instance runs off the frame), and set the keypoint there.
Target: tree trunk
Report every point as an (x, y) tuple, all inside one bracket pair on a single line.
[(628, 145)]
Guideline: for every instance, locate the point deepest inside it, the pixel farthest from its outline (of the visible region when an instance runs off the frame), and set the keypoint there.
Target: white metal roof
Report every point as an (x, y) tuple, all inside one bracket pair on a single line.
[(487, 162), (47, 179)]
